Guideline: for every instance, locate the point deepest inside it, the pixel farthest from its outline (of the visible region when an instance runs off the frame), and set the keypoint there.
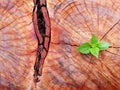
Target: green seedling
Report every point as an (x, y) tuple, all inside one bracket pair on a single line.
[(93, 47)]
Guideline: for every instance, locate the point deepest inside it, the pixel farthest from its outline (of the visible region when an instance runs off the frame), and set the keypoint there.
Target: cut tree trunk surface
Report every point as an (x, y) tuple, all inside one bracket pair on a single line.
[(72, 23)]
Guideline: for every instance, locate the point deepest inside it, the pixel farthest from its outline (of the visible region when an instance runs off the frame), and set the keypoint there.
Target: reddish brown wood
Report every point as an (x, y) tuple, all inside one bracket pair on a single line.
[(72, 23)]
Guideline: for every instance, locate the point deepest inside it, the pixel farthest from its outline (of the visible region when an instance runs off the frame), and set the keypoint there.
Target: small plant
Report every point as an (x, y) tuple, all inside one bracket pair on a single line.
[(93, 47)]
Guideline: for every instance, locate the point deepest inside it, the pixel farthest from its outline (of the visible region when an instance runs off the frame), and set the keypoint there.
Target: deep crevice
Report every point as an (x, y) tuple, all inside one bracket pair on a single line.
[(40, 31)]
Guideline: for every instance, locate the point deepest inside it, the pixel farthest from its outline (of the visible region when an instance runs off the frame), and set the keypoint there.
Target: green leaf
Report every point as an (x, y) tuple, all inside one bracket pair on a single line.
[(94, 40), (84, 48), (103, 45), (95, 51), (93, 47)]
